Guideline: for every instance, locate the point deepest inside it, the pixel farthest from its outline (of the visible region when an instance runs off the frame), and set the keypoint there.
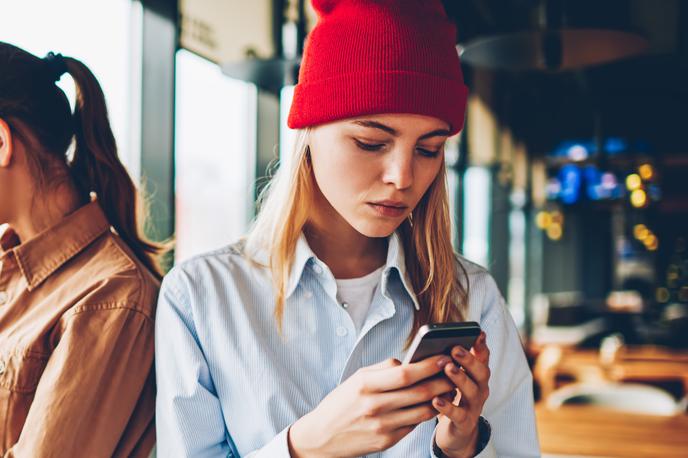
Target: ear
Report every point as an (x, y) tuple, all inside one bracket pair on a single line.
[(6, 144)]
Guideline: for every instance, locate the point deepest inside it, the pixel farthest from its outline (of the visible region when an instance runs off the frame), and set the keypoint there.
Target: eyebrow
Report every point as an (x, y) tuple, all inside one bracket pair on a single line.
[(395, 133), (377, 125), (435, 133)]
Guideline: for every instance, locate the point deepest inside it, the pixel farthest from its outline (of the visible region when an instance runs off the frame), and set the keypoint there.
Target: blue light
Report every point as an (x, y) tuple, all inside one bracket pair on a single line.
[(593, 183), (611, 186), (577, 152), (574, 150), (570, 178), (615, 145)]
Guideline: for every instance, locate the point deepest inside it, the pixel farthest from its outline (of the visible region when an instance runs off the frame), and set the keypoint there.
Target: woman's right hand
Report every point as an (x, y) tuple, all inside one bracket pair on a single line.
[(372, 410)]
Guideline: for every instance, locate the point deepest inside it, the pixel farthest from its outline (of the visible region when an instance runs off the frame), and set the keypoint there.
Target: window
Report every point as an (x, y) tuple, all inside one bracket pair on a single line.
[(215, 156), (476, 215), (108, 43)]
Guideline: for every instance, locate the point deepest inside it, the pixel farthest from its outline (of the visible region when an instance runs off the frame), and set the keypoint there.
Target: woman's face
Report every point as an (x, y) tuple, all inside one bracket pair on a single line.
[(373, 170)]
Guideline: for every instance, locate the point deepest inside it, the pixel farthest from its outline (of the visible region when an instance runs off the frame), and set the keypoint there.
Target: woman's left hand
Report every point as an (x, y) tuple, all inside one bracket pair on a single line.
[(457, 430)]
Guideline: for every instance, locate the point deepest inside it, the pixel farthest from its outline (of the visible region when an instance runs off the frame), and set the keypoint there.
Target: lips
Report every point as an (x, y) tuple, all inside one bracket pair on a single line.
[(388, 208)]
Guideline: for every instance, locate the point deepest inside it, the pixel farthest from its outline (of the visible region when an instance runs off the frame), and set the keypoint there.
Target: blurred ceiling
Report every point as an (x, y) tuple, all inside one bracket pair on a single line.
[(643, 97)]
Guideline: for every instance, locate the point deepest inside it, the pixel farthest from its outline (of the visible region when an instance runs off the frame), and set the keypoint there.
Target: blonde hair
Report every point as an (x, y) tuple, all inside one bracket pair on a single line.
[(431, 263)]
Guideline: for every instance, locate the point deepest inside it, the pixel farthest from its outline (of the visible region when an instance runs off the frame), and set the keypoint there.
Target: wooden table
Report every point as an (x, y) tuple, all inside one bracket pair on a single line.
[(591, 431), (642, 364)]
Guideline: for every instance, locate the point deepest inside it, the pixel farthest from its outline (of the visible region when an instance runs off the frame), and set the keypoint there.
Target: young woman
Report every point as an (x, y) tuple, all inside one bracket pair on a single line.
[(287, 344), (78, 283)]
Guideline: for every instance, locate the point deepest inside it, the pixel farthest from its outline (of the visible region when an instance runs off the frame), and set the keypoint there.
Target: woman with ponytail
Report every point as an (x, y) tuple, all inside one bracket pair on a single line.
[(287, 343), (78, 281)]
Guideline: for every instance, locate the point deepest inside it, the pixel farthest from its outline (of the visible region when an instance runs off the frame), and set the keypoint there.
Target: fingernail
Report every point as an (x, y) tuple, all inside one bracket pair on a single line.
[(461, 352), (443, 361), (439, 401), (454, 369)]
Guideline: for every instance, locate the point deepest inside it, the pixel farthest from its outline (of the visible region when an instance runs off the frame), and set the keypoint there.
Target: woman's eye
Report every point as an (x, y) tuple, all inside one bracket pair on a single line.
[(427, 152), (369, 146)]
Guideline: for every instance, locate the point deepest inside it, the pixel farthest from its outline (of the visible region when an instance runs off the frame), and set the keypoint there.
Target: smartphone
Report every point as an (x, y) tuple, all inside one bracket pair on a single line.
[(436, 339)]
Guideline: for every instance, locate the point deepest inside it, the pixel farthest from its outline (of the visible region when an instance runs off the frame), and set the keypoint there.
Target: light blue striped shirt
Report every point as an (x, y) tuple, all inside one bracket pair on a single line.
[(230, 385)]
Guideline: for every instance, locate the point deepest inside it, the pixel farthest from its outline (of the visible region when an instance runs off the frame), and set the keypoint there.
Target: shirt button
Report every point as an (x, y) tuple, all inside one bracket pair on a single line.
[(341, 331), (307, 294), (4, 297), (317, 269), (2, 367)]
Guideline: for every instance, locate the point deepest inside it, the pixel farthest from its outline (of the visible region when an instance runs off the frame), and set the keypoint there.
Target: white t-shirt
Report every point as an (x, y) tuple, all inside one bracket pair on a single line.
[(356, 295)]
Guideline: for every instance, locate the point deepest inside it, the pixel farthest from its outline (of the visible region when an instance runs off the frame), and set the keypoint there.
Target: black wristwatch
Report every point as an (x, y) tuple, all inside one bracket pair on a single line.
[(484, 433)]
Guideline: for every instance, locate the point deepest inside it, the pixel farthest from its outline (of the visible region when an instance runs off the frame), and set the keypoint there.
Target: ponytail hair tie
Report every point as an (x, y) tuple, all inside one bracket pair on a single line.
[(56, 66)]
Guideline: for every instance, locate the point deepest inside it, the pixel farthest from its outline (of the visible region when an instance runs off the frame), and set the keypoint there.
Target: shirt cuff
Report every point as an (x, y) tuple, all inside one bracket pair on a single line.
[(278, 447), (432, 444), (488, 452), (485, 444)]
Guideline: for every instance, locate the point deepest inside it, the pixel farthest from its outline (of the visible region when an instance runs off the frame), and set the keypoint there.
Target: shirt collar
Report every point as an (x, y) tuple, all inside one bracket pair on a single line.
[(302, 256), (42, 255), (395, 260)]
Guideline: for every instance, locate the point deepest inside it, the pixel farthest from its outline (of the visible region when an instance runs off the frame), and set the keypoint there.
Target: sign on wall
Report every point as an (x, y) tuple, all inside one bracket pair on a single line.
[(227, 30)]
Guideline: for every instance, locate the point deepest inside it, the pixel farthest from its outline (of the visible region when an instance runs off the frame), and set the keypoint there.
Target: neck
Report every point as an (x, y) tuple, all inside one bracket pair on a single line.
[(347, 252), (44, 210)]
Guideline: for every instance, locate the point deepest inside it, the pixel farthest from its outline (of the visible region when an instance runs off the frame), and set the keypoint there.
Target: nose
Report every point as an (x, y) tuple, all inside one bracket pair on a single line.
[(398, 169)]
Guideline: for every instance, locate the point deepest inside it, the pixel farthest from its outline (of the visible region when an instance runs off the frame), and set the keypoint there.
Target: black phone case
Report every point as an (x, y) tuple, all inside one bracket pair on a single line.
[(441, 338)]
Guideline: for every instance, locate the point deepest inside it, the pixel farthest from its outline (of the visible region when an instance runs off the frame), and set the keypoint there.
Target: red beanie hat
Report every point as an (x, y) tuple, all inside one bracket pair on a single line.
[(379, 56)]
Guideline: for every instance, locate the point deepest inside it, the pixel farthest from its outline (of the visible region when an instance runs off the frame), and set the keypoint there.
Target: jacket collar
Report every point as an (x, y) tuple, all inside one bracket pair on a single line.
[(42, 255)]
